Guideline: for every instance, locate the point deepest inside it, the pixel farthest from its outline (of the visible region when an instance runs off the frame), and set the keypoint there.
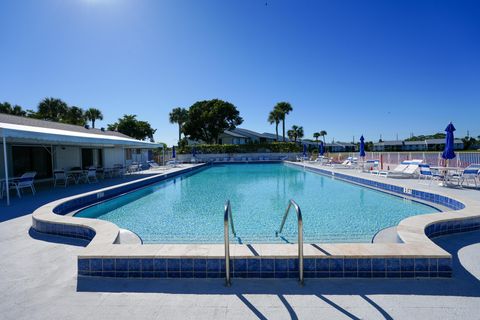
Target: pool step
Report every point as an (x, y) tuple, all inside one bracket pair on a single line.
[(128, 237)]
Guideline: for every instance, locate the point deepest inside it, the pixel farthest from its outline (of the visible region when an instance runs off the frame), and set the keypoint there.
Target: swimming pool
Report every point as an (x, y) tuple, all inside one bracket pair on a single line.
[(189, 208)]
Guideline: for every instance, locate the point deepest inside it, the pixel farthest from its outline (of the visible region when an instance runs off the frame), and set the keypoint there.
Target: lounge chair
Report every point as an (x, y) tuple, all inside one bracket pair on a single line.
[(60, 175), (427, 174), (470, 173), (173, 163), (370, 166), (397, 170), (153, 165), (409, 172), (25, 181)]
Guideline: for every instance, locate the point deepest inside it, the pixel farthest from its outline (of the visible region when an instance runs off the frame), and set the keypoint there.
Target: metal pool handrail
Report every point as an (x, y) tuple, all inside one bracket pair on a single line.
[(300, 235), (227, 216)]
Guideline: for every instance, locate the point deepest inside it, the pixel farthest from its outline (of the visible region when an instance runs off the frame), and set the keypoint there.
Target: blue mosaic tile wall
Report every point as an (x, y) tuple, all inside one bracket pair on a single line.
[(446, 227), (63, 229), (267, 268)]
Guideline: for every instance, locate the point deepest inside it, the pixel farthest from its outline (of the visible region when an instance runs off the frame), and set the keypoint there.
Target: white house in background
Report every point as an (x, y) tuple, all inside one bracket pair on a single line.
[(424, 145), (243, 136), (43, 146)]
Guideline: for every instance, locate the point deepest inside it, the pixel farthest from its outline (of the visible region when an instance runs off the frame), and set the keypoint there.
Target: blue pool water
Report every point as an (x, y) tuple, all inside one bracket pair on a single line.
[(189, 208)]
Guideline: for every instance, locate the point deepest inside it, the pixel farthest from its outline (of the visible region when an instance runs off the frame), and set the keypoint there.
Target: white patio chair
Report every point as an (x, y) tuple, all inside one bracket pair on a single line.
[(91, 175), (470, 173), (25, 181), (60, 175)]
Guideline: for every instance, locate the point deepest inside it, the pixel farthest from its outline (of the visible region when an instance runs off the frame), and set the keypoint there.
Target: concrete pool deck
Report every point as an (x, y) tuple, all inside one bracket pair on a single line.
[(39, 281)]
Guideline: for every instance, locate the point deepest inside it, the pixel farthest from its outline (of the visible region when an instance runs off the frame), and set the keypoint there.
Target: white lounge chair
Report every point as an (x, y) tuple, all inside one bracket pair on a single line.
[(25, 181), (397, 170), (370, 166), (59, 175), (409, 172)]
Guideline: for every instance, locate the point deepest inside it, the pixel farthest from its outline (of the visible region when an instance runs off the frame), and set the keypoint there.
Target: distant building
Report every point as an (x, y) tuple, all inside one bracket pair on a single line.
[(425, 145), (244, 136), (333, 146), (341, 147)]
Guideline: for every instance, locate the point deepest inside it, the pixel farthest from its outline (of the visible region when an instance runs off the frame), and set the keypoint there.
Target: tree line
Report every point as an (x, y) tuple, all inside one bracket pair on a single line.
[(206, 120), (53, 109)]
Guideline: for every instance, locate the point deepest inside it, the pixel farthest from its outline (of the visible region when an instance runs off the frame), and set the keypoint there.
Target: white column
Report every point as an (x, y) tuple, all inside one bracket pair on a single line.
[(5, 163)]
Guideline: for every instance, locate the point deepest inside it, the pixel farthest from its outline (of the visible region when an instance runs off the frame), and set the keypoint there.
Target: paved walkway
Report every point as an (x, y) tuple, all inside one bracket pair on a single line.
[(29, 290)]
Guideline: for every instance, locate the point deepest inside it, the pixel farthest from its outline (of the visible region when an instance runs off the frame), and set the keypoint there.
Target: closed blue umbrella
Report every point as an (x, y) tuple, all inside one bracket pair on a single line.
[(194, 151), (304, 150), (362, 146), (321, 150), (448, 152), (173, 152)]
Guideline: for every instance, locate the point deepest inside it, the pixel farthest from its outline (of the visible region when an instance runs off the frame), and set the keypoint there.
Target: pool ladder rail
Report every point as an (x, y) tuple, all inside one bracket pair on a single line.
[(293, 204), (228, 222)]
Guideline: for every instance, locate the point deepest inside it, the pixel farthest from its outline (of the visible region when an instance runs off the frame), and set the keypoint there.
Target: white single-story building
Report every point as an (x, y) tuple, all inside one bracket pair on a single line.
[(244, 136), (423, 145), (44, 146)]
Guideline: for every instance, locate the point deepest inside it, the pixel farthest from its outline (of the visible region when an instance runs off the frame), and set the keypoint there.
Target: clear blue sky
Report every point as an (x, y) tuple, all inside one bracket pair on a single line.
[(347, 67)]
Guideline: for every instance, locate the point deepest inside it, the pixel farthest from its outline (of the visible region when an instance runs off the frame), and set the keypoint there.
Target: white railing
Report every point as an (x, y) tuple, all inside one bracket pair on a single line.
[(463, 159)]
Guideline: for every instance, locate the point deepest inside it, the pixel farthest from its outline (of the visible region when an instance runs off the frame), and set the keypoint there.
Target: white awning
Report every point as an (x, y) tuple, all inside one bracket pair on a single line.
[(29, 134)]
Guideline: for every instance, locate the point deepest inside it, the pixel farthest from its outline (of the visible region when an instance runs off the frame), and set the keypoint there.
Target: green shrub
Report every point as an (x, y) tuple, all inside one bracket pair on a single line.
[(276, 147)]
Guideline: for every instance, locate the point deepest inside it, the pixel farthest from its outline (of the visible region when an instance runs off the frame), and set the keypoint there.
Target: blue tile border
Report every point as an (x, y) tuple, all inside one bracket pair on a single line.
[(266, 268)]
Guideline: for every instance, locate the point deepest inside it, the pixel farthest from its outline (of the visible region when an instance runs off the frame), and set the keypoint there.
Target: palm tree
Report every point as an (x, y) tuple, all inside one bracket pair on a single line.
[(284, 108), (323, 133), (316, 135), (52, 109), (7, 108), (274, 117), (180, 116), (295, 133), (75, 115), (93, 114)]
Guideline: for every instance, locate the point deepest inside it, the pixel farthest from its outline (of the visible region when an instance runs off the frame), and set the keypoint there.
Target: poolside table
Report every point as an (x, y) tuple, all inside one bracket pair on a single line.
[(447, 172), (76, 174)]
